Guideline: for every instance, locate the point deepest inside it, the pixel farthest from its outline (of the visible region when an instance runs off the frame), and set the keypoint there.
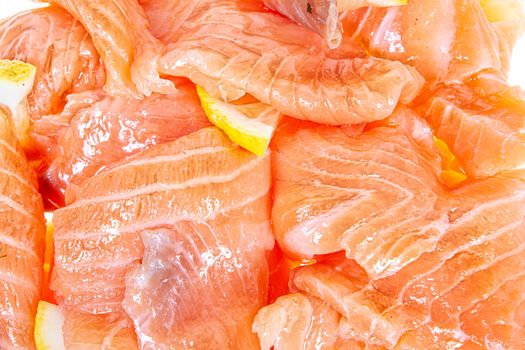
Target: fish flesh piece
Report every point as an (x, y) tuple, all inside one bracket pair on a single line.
[(166, 17), (193, 275), (322, 16), (296, 321), (375, 194), (468, 291), (119, 30), (447, 41), (301, 321), (482, 122), (95, 130), (62, 52), (208, 201), (21, 243), (83, 331), (235, 47)]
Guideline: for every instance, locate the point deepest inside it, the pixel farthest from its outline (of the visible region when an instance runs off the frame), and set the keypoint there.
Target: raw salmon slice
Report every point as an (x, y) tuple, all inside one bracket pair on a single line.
[(375, 194), (84, 331), (61, 50), (205, 201), (236, 47), (322, 16), (296, 321), (204, 281), (95, 130), (445, 40), (119, 30), (21, 243), (483, 123), (167, 16), (468, 291)]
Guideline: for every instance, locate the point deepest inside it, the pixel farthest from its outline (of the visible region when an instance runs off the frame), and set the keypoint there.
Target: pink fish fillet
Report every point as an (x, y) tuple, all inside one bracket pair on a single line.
[(320, 16), (445, 40), (196, 213), (83, 331), (483, 123), (508, 35), (374, 194), (296, 321), (60, 49), (119, 30), (95, 130), (235, 47), (21, 244), (468, 291), (166, 17)]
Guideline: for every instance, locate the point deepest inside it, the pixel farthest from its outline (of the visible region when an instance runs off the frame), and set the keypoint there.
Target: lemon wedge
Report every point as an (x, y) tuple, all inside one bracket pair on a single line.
[(503, 10), (48, 327), (46, 293), (16, 82), (343, 5), (452, 174), (250, 125)]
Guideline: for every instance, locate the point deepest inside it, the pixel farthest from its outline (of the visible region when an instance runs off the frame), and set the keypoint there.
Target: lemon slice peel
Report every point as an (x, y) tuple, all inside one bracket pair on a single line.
[(48, 327), (16, 82), (250, 126)]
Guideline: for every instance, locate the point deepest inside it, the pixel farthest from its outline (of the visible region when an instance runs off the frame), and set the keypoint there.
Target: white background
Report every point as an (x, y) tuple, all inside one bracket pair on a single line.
[(10, 7), (517, 72)]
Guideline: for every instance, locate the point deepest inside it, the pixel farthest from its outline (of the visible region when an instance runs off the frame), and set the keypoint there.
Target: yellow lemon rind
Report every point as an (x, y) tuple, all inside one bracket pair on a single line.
[(245, 132), (48, 327)]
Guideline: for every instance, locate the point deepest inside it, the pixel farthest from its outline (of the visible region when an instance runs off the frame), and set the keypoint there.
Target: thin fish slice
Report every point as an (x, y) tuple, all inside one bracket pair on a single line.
[(483, 123), (208, 201), (235, 47), (95, 130), (468, 291), (62, 52), (119, 30), (375, 194), (21, 243), (192, 275), (447, 41), (60, 329), (296, 321), (322, 16), (166, 17), (83, 331)]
